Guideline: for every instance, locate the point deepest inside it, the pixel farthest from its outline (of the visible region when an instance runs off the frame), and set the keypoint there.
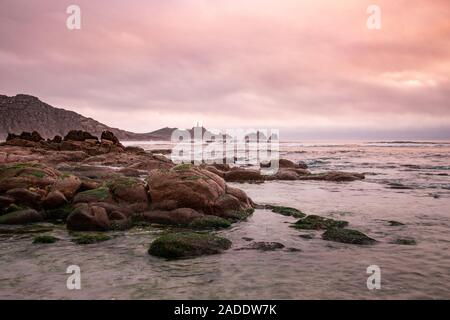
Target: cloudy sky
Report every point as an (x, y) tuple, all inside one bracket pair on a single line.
[(310, 68)]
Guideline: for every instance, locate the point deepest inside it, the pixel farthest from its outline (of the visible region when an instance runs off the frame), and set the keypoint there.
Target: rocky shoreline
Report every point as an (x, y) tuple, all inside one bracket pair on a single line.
[(95, 185)]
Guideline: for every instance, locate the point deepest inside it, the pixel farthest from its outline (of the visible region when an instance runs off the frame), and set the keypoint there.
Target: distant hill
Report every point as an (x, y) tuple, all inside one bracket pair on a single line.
[(27, 113)]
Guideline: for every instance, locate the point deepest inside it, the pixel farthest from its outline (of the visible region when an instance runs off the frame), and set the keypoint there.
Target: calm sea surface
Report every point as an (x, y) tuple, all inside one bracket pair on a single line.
[(406, 182)]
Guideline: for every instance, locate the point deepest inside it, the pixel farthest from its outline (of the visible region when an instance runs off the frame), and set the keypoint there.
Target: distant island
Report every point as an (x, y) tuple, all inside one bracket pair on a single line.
[(26, 113)]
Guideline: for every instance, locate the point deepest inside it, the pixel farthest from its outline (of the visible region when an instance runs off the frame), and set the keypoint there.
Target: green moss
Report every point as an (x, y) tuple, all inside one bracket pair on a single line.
[(347, 236), (89, 238), (99, 193), (241, 214), (183, 167), (187, 244), (209, 222), (313, 222), (45, 239), (64, 176), (288, 211), (60, 213), (192, 178), (405, 241), (122, 182), (38, 174), (14, 207)]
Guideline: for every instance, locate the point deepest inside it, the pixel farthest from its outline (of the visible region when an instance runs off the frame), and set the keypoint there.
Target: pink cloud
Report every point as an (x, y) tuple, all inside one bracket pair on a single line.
[(291, 64)]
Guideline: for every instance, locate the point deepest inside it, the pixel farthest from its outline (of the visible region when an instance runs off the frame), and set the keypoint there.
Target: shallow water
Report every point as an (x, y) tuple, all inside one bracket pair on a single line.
[(407, 182)]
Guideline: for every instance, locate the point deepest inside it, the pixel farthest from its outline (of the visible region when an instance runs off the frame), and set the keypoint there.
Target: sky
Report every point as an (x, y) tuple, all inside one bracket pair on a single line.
[(312, 69)]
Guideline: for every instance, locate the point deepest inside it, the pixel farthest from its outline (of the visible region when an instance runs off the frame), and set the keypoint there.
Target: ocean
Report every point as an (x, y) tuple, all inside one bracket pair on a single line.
[(406, 181)]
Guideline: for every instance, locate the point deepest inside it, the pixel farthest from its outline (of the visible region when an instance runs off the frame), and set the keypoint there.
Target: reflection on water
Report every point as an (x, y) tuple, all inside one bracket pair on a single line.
[(121, 268)]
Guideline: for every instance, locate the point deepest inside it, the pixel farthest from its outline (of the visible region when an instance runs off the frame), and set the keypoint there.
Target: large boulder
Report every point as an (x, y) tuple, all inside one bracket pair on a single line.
[(188, 245), (21, 217), (26, 175), (54, 199), (26, 197), (187, 186), (337, 176), (129, 191), (88, 218), (68, 185), (181, 216), (27, 136), (101, 194)]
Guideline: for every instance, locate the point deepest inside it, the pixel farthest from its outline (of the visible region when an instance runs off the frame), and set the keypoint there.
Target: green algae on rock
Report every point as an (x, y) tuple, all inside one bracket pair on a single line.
[(45, 239), (89, 238), (188, 244), (405, 241), (313, 222), (209, 222), (347, 236)]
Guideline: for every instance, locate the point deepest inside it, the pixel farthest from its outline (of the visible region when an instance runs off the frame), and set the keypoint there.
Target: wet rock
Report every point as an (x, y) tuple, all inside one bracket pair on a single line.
[(336, 176), (209, 222), (5, 201), (26, 175), (394, 223), (79, 135), (186, 186), (54, 199), (187, 245), (284, 163), (25, 197), (21, 217), (27, 136), (66, 156), (308, 236), (405, 241), (45, 239), (215, 171), (109, 136), (119, 221), (243, 175), (302, 165), (26, 229), (68, 185), (181, 216), (60, 213), (265, 246), (313, 222), (129, 191), (347, 236), (284, 175), (101, 194), (286, 211), (129, 172), (90, 238), (88, 218), (57, 139)]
